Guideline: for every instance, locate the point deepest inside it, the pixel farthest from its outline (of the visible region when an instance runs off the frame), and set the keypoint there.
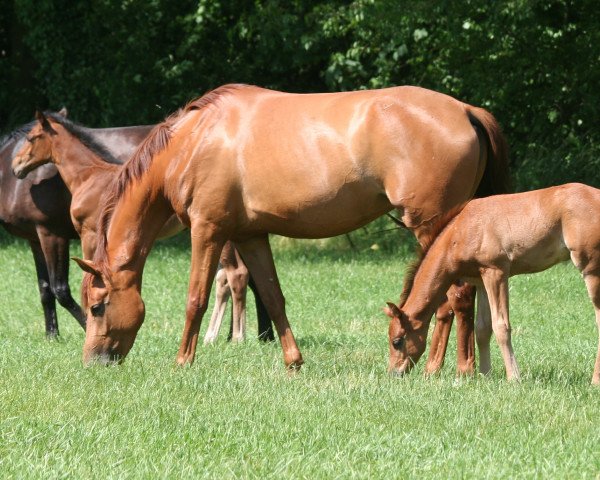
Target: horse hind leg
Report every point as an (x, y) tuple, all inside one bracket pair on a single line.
[(46, 296), (592, 283), (222, 294), (258, 257)]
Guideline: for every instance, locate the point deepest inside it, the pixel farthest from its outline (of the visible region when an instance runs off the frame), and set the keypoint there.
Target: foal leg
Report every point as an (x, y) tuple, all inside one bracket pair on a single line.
[(258, 257), (459, 304), (592, 282), (444, 317), (462, 300), (206, 248), (56, 254), (496, 285), (237, 278), (46, 295), (222, 296), (484, 331)]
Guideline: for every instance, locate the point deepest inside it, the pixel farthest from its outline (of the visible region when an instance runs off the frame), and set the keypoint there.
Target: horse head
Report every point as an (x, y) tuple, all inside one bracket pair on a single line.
[(37, 147), (115, 312), (407, 340)]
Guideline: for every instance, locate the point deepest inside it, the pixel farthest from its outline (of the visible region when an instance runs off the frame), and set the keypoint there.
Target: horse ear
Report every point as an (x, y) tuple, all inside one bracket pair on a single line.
[(87, 266), (63, 112), (40, 117), (392, 310)]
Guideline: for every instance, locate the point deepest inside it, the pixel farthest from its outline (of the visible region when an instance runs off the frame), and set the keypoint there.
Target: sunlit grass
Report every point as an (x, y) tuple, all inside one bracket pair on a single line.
[(236, 413)]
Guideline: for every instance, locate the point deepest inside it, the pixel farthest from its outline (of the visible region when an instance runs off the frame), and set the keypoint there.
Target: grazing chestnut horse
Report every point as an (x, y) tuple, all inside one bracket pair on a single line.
[(88, 168), (508, 235), (37, 209), (242, 162)]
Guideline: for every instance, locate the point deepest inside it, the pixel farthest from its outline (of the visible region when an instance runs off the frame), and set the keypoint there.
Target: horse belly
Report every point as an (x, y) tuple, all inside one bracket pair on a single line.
[(320, 214)]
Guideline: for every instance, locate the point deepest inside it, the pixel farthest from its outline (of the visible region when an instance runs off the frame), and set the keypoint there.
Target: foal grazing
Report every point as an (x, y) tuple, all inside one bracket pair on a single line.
[(242, 162), (507, 235)]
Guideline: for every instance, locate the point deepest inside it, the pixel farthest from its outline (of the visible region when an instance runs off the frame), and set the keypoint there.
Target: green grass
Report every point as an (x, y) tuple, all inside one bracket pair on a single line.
[(236, 413)]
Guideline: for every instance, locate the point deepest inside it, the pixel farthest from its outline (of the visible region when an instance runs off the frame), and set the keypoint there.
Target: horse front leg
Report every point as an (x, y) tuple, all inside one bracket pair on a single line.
[(444, 317), (462, 300), (206, 249), (258, 257), (56, 255), (496, 286), (46, 296), (483, 331)]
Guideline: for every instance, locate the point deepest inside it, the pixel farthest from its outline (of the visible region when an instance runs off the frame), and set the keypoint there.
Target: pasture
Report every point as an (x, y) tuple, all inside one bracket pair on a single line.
[(236, 413)]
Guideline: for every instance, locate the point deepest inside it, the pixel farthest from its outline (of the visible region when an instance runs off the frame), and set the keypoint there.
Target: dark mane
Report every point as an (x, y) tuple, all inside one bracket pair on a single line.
[(156, 141), (436, 229), (84, 136), (16, 134)]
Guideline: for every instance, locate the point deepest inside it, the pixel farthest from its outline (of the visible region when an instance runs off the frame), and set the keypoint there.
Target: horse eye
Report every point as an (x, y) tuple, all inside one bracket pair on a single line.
[(398, 343), (97, 310)]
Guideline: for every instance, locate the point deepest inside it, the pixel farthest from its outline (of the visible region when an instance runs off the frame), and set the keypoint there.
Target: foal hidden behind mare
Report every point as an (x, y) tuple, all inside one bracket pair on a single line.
[(508, 235), (242, 162)]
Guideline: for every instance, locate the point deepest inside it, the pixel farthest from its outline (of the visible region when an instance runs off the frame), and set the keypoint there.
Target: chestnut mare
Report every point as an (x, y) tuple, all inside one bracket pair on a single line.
[(508, 235), (37, 209), (242, 162), (88, 168)]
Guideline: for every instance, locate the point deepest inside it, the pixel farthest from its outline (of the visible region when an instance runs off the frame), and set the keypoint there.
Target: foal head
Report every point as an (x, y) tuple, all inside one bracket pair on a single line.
[(407, 340), (114, 313), (37, 148)]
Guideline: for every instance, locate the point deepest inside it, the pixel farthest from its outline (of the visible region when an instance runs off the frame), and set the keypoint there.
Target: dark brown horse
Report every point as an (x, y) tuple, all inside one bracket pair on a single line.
[(37, 209), (242, 162)]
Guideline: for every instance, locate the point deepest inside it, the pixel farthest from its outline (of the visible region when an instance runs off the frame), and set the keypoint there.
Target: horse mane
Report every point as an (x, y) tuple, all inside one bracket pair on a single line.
[(436, 230), (84, 136), (156, 141), (16, 134)]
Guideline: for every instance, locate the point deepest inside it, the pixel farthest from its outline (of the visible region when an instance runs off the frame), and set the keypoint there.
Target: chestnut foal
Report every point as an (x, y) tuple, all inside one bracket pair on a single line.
[(507, 235)]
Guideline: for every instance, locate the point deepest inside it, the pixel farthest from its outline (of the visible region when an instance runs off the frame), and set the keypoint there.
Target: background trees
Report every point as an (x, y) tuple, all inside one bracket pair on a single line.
[(534, 64)]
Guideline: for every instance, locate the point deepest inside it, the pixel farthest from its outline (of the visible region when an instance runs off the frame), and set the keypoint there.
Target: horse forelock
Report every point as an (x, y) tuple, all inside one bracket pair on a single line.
[(426, 243), (156, 141)]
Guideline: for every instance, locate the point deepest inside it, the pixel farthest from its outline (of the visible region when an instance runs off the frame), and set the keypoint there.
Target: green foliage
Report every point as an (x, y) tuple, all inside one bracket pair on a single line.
[(532, 63)]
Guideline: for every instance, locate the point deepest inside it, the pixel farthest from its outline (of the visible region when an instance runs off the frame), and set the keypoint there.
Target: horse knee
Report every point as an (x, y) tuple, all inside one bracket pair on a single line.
[(62, 292)]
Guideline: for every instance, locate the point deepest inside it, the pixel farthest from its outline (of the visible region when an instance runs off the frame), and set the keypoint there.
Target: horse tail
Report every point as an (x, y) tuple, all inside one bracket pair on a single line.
[(496, 177)]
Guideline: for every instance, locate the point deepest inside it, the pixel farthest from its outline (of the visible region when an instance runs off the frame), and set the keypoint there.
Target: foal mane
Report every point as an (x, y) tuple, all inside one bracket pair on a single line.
[(84, 136), (436, 230), (156, 141)]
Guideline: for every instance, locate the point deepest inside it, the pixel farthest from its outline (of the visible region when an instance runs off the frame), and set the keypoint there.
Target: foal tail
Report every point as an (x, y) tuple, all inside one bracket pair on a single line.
[(495, 177)]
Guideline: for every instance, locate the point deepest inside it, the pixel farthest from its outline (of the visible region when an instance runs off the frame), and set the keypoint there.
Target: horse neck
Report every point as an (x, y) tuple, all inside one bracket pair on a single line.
[(137, 218), (431, 282), (75, 162)]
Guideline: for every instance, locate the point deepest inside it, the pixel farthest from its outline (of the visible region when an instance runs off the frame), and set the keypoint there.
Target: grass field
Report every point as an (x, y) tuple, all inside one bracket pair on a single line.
[(237, 414)]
